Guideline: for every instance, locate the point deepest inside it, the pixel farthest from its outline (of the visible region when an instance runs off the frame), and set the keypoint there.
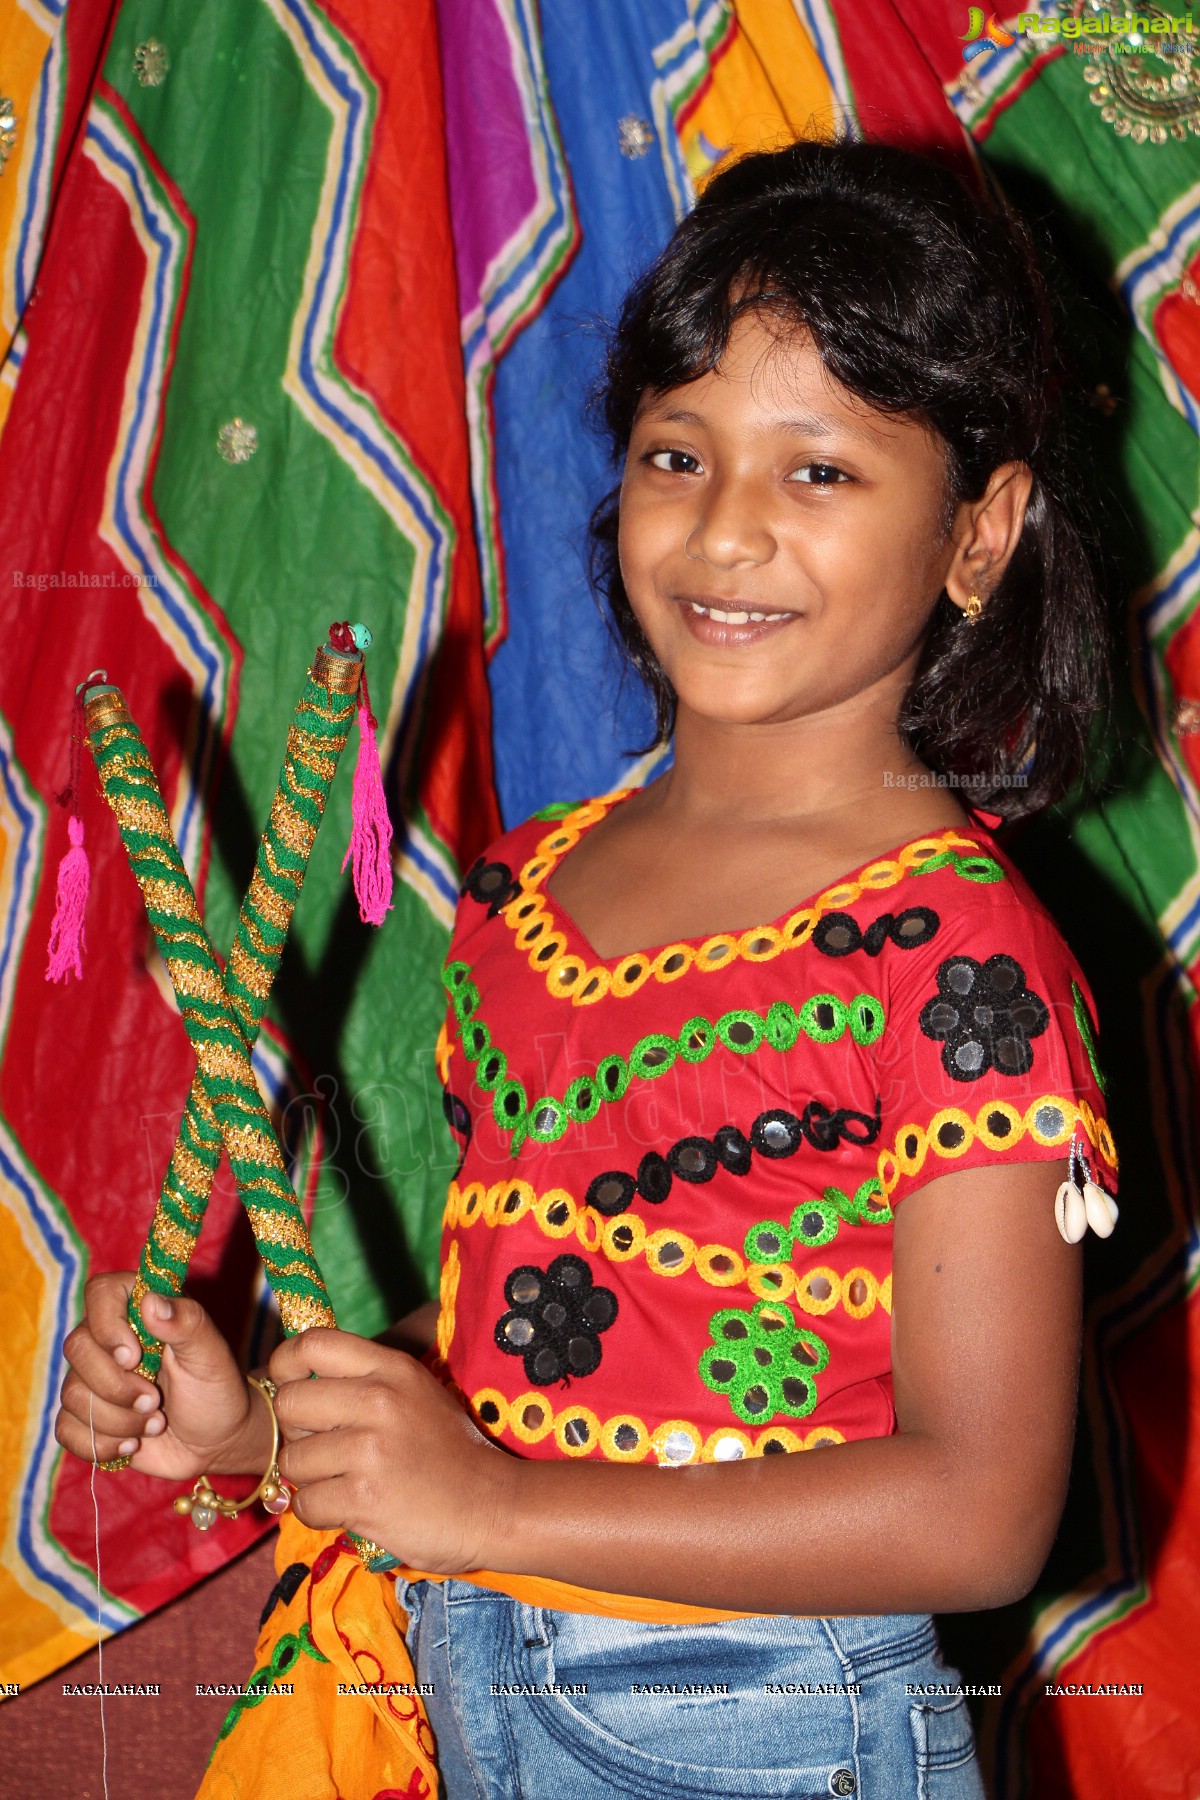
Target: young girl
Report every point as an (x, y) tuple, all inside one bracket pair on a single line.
[(775, 1085)]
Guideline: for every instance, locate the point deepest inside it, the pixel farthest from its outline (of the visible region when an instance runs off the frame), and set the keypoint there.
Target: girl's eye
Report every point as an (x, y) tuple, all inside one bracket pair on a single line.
[(818, 474), (673, 462)]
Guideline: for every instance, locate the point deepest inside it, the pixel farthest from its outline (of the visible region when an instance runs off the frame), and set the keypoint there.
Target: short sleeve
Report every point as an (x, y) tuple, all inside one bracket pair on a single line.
[(991, 1051)]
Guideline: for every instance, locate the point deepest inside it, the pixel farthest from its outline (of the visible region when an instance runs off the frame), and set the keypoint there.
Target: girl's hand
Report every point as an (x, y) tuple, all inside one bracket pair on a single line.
[(198, 1419), (379, 1447)]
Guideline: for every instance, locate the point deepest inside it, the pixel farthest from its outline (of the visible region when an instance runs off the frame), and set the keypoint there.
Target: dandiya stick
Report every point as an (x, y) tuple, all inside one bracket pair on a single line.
[(315, 741), (225, 1107)]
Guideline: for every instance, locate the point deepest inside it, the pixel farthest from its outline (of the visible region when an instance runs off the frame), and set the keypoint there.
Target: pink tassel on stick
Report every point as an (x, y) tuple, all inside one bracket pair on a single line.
[(66, 933), (371, 837), (65, 949)]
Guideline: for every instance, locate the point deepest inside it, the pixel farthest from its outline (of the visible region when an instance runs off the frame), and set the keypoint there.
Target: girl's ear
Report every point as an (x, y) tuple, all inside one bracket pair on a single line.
[(986, 532)]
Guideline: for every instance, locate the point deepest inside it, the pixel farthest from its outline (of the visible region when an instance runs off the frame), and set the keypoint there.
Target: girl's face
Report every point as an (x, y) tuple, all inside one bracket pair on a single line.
[(782, 545)]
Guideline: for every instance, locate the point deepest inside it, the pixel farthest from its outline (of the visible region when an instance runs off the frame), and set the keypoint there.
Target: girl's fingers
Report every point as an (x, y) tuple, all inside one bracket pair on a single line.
[(96, 1369), (76, 1437), (322, 1505), (317, 1457), (121, 1421), (105, 1310)]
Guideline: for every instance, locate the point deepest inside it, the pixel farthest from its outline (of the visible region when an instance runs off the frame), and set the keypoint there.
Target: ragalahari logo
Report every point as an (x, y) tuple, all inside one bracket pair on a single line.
[(984, 34)]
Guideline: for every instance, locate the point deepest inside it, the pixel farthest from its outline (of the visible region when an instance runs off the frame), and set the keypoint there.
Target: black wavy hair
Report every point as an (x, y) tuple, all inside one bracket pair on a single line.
[(927, 300)]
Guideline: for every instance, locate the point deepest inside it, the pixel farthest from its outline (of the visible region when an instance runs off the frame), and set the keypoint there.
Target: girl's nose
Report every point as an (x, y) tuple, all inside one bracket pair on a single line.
[(731, 530)]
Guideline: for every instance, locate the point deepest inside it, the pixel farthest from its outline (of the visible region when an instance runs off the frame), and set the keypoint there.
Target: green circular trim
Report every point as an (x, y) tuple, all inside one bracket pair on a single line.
[(830, 1223), (655, 1041), (454, 974), (757, 1253), (547, 1134), (582, 1110), (865, 1017), (741, 1016), (506, 1119), (464, 1001), (615, 1091), (476, 1039), (783, 1026), (823, 1034), (487, 1083), (700, 1027)]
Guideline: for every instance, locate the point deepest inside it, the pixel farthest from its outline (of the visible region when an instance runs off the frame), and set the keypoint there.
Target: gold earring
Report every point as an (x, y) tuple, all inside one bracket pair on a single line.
[(973, 608)]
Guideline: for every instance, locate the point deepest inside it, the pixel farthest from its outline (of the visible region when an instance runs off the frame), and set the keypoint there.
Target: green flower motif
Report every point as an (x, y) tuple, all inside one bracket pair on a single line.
[(763, 1362), (816, 1222)]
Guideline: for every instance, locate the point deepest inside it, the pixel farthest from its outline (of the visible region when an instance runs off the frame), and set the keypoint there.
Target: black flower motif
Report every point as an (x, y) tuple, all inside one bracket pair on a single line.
[(555, 1319), (492, 884), (984, 1016), (839, 934)]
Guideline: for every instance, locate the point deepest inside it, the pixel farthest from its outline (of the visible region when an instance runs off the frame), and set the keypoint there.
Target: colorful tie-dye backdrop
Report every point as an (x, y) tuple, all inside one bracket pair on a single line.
[(384, 238)]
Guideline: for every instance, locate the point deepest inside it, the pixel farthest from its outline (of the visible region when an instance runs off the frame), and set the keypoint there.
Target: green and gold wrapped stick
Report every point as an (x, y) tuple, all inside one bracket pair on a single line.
[(315, 741)]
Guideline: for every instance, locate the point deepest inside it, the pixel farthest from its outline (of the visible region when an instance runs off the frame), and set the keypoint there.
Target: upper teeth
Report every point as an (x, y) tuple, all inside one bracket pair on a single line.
[(729, 618)]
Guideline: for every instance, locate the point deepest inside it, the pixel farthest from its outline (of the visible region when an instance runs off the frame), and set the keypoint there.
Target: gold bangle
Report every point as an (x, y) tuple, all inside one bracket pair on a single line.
[(203, 1506)]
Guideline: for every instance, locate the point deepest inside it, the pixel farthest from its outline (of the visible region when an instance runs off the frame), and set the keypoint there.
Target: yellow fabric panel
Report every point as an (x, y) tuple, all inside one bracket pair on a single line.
[(23, 46), (768, 87)]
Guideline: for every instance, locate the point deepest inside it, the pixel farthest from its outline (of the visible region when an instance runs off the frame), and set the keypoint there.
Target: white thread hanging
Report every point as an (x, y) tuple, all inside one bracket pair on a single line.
[(99, 1599)]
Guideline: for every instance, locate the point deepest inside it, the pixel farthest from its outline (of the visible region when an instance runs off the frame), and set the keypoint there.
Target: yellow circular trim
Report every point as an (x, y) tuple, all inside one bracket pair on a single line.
[(541, 1209), (668, 1428), (602, 1433), (845, 893), (603, 980), (951, 1115), (659, 965), (892, 1163), (535, 871), (731, 1277), (860, 1309), (657, 1242), (984, 1132), (910, 1164), (813, 1303), (725, 1434), (530, 1434), (496, 1426), (771, 1281), (563, 1420), (589, 1228), (535, 930), (768, 936), (707, 957), (498, 1193), (636, 1224), (471, 1202), (564, 975), (623, 983), (594, 988), (780, 1434), (1070, 1113), (885, 1293), (608, 1439)]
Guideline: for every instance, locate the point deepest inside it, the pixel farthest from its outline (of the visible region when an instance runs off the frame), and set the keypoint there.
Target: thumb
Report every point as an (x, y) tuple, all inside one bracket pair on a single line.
[(184, 1325)]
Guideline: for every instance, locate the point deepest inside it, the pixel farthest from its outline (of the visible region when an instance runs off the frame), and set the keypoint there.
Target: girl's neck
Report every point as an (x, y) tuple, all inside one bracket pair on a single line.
[(814, 768)]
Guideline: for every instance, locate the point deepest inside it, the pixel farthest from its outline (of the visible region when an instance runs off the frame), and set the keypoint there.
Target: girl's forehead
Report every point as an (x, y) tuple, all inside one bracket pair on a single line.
[(767, 379)]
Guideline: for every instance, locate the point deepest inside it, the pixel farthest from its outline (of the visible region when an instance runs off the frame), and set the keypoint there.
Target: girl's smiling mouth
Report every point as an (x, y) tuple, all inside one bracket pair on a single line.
[(732, 622)]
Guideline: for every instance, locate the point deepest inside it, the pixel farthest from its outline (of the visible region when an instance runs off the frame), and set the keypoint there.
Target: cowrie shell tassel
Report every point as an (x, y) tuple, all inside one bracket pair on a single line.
[(1101, 1209), (1070, 1212)]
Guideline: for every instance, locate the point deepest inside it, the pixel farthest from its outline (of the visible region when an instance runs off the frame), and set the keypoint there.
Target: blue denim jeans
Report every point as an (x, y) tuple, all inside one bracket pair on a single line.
[(532, 1704)]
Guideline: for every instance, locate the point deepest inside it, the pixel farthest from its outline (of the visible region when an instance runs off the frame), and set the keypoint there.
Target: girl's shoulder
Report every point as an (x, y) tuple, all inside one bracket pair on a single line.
[(511, 861)]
